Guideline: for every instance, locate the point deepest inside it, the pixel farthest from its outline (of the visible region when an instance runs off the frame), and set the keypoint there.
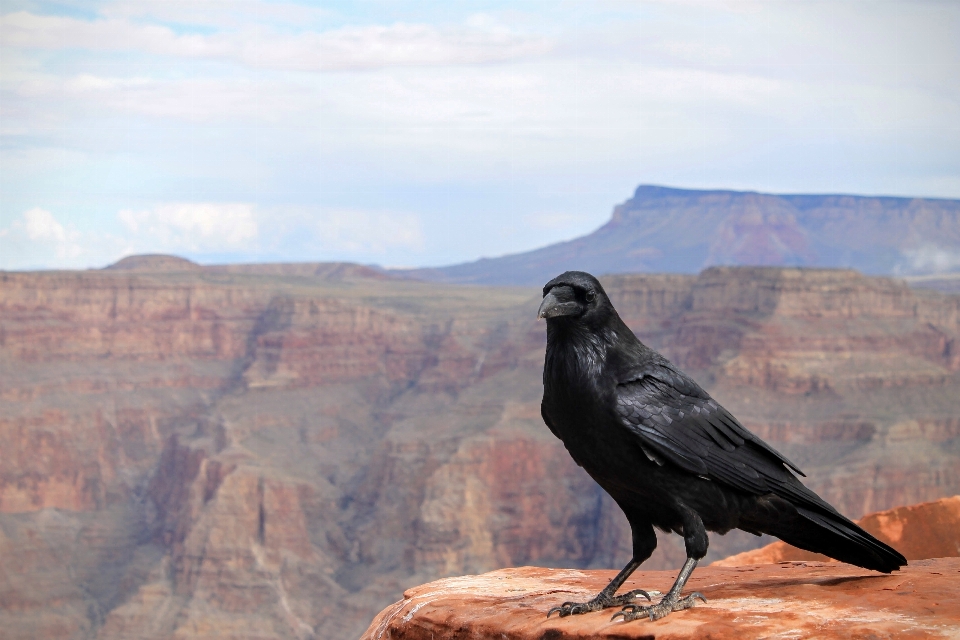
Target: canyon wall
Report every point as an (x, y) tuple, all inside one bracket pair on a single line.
[(253, 453)]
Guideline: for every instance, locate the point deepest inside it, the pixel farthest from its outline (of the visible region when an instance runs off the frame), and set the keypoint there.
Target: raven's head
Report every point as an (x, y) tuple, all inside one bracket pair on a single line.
[(575, 296)]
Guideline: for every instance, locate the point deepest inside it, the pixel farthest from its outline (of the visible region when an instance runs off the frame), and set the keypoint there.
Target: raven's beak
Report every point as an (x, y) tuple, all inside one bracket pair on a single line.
[(560, 301)]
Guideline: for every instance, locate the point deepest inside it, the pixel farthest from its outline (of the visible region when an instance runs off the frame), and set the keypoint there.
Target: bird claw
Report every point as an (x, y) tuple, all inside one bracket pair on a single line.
[(602, 601), (628, 596), (569, 608), (660, 610)]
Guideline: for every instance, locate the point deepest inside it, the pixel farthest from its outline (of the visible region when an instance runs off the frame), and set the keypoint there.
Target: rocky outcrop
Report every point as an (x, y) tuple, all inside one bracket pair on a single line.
[(280, 452), (790, 600), (927, 530)]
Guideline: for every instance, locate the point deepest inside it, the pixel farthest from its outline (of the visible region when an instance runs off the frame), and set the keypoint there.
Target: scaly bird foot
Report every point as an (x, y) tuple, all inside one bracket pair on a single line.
[(659, 610), (602, 601)]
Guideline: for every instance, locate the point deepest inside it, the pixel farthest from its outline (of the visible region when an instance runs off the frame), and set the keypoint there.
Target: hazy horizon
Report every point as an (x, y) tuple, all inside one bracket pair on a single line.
[(424, 135)]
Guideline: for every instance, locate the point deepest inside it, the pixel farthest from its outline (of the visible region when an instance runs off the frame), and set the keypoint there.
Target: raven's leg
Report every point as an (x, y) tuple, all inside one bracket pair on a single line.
[(696, 542), (670, 602), (644, 542)]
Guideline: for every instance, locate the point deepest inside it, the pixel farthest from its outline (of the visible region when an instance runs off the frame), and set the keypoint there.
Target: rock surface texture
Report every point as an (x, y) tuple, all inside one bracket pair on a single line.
[(279, 451), (787, 600)]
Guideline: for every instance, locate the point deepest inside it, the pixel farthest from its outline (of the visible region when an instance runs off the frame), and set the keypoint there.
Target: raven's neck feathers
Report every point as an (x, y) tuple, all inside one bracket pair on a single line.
[(577, 353)]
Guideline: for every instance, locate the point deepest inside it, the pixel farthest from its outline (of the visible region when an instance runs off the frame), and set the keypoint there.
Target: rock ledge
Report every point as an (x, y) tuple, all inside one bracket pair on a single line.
[(786, 600)]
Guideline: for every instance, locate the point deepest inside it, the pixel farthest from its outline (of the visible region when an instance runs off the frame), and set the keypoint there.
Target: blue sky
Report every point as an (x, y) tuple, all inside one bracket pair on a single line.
[(428, 133)]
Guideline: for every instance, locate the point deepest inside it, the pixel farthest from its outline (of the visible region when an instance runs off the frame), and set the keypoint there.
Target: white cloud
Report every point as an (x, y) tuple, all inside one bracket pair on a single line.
[(929, 258), (40, 224), (421, 45), (277, 232), (346, 48), (203, 227), (26, 30), (45, 98), (37, 239), (221, 14), (578, 103)]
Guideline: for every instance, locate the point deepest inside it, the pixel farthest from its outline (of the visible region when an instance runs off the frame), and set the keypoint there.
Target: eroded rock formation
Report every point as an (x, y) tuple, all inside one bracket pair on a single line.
[(279, 453)]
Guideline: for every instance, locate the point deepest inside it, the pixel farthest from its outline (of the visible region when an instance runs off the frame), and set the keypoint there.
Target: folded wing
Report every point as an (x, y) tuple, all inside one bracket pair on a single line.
[(677, 422)]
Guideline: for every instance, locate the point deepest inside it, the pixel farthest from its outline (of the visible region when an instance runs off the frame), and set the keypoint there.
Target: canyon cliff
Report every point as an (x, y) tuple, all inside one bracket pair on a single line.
[(277, 451)]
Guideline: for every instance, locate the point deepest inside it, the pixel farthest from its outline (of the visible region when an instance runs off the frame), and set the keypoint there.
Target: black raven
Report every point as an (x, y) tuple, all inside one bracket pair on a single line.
[(668, 454)]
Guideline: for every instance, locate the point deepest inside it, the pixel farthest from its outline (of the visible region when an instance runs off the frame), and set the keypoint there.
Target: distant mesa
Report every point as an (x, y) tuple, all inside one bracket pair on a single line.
[(665, 230), (154, 262), (162, 263)]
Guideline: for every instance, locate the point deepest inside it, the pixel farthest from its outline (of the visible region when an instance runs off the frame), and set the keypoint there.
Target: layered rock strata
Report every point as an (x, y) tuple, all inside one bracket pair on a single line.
[(278, 453)]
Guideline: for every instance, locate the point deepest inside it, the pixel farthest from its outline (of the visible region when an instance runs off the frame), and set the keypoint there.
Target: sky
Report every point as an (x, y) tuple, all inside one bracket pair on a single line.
[(429, 133)]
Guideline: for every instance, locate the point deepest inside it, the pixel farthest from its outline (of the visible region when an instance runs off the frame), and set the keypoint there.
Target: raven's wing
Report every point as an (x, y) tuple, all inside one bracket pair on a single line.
[(676, 422)]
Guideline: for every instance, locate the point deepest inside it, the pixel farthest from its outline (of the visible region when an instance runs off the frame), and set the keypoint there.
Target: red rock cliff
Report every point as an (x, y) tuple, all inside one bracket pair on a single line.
[(196, 452)]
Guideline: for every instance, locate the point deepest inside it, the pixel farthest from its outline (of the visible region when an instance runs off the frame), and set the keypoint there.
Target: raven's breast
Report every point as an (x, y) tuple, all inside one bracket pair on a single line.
[(596, 440)]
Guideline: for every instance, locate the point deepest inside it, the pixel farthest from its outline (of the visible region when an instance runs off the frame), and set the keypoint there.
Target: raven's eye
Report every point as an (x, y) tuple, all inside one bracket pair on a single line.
[(591, 296)]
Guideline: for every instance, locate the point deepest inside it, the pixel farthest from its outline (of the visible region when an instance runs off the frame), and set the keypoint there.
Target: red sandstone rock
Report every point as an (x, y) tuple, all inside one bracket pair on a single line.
[(275, 452), (927, 530), (788, 600)]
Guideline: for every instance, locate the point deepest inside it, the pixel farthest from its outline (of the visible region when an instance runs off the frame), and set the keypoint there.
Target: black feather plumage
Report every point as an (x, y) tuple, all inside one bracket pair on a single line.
[(668, 453)]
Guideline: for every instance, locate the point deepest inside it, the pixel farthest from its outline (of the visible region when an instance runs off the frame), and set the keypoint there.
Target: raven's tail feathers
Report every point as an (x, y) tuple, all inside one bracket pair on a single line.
[(835, 536)]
